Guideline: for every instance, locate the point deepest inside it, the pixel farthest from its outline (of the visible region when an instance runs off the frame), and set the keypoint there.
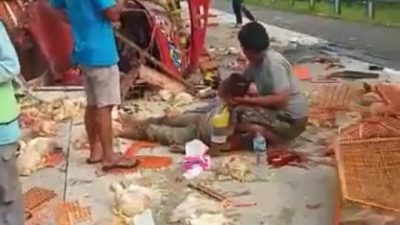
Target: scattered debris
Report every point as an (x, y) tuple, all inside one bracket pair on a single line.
[(46, 114), (237, 168), (69, 213), (136, 146), (208, 191), (375, 67), (302, 72), (313, 206), (35, 197), (352, 74), (193, 207), (281, 158), (158, 79)]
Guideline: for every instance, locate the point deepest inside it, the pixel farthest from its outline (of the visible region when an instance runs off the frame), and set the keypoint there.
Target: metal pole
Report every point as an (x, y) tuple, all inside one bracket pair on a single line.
[(338, 7), (312, 4), (370, 9)]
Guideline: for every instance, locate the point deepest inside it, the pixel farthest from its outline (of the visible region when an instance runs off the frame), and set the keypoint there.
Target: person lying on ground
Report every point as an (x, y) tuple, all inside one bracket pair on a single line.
[(279, 111), (179, 129), (95, 52)]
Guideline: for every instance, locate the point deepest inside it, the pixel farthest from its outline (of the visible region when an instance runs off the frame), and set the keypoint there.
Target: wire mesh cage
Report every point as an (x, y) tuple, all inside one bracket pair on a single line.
[(334, 96), (368, 158)]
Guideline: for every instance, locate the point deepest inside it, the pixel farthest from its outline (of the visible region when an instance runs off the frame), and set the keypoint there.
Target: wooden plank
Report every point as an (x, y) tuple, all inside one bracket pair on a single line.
[(160, 80)]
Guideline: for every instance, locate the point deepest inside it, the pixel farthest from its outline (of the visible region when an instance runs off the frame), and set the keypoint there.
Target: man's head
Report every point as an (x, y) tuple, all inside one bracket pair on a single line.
[(236, 85), (254, 39)]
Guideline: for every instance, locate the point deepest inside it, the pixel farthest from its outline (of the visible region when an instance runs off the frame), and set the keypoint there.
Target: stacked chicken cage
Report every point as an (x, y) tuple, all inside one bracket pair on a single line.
[(368, 159)]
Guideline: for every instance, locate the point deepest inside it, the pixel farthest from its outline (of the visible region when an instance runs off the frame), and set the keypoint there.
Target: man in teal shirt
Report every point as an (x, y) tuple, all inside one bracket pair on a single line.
[(96, 54), (11, 210)]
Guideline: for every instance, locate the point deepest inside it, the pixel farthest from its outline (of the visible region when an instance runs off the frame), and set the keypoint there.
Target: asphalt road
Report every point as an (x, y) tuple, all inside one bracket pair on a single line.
[(370, 43)]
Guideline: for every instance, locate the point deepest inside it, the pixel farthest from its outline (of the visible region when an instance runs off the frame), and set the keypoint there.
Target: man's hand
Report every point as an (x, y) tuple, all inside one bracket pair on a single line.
[(113, 14), (278, 100), (236, 101)]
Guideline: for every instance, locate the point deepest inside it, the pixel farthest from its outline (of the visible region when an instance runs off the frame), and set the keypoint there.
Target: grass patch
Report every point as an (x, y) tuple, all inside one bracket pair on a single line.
[(387, 14)]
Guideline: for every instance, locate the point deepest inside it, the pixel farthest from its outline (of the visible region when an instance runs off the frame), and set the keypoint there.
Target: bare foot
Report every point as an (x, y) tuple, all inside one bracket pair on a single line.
[(177, 149), (96, 154)]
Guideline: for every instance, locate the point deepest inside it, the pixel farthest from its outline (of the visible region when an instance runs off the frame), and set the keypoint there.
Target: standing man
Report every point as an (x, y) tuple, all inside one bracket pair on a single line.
[(95, 52), (238, 8), (280, 109), (11, 210)]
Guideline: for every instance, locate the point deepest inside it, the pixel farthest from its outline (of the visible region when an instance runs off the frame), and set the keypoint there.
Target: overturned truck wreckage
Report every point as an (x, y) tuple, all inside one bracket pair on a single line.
[(152, 38)]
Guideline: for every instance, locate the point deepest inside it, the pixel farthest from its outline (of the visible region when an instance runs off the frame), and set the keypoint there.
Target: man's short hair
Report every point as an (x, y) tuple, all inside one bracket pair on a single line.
[(253, 36)]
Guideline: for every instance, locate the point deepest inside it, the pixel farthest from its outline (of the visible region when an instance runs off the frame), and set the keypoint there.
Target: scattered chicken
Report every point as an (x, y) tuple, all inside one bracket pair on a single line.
[(165, 95), (33, 155), (192, 208), (66, 110), (179, 99), (128, 202), (44, 128), (46, 112), (238, 168), (183, 98)]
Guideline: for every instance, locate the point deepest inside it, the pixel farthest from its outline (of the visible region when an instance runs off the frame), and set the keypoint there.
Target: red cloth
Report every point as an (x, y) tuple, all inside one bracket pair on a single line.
[(52, 34)]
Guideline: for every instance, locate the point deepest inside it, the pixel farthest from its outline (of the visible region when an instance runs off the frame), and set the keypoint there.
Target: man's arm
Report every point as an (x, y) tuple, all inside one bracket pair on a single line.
[(9, 63), (281, 88), (112, 9), (278, 100)]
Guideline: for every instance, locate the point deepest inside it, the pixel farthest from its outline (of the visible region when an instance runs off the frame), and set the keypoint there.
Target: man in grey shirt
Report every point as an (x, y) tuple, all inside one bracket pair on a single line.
[(279, 110)]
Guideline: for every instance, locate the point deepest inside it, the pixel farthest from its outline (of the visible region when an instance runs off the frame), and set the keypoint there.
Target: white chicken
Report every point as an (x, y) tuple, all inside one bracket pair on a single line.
[(44, 128), (128, 202), (193, 207), (33, 155)]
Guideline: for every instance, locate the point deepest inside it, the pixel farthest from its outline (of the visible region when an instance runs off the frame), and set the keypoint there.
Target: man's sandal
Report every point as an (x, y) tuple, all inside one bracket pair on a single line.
[(91, 162)]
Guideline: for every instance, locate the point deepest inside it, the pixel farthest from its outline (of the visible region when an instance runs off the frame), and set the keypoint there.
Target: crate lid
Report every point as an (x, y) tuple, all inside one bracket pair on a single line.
[(376, 127)]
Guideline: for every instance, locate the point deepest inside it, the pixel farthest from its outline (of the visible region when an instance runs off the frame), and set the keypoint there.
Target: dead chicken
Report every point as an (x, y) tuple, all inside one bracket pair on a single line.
[(179, 99), (237, 168), (44, 128), (33, 155), (62, 109), (29, 116), (128, 202), (68, 110), (193, 207)]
